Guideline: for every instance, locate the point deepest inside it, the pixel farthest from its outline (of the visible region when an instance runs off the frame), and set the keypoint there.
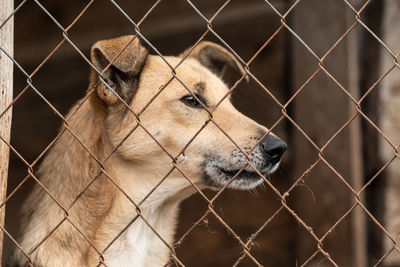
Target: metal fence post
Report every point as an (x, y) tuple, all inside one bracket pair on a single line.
[(6, 95)]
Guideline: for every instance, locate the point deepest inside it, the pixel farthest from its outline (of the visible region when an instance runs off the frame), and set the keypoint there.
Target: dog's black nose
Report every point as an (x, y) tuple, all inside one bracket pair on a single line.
[(273, 147)]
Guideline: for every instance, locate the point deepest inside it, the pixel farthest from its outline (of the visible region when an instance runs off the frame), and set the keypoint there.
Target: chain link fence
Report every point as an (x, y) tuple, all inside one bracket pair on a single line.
[(357, 216)]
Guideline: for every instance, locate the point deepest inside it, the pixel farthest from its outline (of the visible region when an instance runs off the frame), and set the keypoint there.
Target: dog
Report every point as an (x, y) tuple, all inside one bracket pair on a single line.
[(119, 228)]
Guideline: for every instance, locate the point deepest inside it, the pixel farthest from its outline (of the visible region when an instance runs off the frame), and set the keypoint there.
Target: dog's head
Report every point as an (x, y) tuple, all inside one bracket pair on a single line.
[(173, 116)]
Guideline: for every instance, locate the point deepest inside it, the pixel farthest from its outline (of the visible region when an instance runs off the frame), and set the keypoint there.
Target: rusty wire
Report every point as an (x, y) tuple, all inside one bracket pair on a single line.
[(246, 245)]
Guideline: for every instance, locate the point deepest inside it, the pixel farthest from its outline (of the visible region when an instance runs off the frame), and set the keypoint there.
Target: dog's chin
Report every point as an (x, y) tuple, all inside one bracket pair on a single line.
[(217, 177)]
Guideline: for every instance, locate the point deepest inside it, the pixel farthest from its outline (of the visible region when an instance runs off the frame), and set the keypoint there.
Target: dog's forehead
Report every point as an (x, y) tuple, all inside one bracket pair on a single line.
[(189, 72), (189, 68)]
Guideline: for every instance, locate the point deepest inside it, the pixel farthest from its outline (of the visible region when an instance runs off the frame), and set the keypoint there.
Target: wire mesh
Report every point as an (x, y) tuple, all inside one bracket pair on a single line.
[(246, 245)]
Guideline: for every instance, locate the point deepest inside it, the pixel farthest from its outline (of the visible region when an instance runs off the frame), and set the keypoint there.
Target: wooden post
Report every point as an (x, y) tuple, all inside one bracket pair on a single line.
[(6, 96), (390, 125), (356, 159), (320, 110)]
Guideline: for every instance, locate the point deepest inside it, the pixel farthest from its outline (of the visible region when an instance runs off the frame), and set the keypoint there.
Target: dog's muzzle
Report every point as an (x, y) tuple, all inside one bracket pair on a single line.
[(264, 159)]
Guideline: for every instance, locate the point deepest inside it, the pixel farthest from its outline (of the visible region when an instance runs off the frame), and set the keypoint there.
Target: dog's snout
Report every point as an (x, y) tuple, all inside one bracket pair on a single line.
[(273, 147)]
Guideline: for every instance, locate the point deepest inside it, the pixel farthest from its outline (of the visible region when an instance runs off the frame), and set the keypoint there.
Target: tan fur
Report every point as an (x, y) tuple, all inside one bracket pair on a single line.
[(101, 123)]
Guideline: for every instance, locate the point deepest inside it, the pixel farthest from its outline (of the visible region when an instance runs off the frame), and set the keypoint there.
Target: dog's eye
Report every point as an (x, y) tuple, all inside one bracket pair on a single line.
[(190, 101)]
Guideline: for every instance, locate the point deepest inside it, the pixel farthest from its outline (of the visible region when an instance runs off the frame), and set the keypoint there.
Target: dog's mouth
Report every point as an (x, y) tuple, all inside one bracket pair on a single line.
[(240, 174), (217, 175)]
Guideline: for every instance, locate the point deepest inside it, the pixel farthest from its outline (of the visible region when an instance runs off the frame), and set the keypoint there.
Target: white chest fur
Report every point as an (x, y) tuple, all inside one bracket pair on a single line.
[(139, 245)]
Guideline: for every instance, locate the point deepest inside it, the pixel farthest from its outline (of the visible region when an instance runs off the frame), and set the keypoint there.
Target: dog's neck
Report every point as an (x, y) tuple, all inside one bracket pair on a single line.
[(143, 213), (147, 221)]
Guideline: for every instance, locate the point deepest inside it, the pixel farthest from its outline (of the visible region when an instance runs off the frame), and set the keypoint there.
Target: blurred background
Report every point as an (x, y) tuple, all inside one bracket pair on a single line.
[(321, 196)]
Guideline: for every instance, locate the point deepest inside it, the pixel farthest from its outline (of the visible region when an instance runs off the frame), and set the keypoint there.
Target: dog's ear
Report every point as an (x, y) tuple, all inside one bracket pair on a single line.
[(123, 73), (215, 57)]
